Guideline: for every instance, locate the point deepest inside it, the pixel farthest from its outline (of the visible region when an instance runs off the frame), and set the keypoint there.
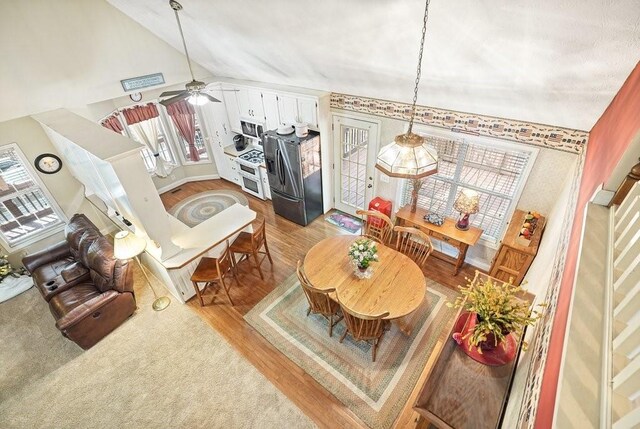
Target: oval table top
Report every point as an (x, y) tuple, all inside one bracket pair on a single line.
[(397, 284)]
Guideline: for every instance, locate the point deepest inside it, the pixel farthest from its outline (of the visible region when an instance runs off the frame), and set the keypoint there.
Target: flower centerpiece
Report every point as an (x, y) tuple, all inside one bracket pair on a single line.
[(362, 253), (498, 311)]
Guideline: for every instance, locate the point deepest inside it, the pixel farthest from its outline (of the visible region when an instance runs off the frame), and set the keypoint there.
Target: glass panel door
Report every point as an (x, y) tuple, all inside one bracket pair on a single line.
[(355, 153)]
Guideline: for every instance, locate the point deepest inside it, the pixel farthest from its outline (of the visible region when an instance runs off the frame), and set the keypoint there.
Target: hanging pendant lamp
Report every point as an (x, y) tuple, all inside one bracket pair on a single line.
[(409, 156)]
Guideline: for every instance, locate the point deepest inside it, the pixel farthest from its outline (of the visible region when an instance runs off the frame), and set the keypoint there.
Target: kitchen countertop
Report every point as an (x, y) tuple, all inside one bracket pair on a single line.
[(231, 150)]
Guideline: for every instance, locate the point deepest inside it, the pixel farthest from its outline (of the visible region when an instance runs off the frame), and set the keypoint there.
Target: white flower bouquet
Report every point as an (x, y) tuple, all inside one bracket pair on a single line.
[(363, 252)]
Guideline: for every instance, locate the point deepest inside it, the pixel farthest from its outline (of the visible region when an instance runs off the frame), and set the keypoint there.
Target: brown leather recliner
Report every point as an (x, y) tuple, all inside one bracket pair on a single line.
[(90, 293)]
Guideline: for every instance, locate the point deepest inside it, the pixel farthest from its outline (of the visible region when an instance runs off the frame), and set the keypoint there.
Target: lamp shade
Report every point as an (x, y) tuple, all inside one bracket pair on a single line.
[(408, 157), (127, 245), (468, 202)]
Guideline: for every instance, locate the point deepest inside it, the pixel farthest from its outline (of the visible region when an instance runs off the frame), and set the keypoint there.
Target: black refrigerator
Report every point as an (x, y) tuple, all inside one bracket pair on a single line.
[(295, 175)]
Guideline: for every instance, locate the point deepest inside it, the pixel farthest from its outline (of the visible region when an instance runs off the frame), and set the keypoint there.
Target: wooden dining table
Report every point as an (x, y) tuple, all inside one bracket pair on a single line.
[(397, 285)]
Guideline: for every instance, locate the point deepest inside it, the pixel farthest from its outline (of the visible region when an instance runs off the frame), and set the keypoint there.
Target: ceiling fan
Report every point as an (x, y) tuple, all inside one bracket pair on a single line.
[(193, 90)]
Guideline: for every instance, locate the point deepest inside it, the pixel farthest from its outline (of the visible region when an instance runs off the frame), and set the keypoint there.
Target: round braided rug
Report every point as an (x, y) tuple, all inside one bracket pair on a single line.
[(200, 207)]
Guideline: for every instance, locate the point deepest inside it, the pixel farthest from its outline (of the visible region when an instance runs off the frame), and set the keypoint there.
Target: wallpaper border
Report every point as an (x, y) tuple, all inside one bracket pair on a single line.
[(563, 139)]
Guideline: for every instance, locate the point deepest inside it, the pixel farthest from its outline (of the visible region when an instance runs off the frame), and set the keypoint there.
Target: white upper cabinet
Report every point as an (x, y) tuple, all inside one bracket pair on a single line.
[(231, 103), (250, 104), (270, 104), (294, 109), (287, 109), (308, 111)]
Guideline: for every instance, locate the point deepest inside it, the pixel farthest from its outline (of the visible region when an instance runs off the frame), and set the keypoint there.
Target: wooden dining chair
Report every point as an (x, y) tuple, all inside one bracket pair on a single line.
[(249, 244), (214, 270), (377, 226), (319, 300), (413, 243), (364, 327)]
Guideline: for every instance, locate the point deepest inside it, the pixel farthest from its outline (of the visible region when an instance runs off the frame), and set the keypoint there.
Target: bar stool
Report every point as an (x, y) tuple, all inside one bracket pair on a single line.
[(249, 245), (214, 270)]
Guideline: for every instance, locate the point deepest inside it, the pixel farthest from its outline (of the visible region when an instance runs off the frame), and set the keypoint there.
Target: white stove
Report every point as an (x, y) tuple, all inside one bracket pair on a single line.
[(250, 175), (252, 157)]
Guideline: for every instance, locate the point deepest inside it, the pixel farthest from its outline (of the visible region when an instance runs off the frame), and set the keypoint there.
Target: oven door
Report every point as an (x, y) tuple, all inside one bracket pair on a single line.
[(249, 170), (251, 185)]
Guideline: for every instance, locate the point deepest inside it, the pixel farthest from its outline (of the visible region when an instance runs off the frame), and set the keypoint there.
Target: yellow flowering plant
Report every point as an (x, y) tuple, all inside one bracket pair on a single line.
[(498, 308)]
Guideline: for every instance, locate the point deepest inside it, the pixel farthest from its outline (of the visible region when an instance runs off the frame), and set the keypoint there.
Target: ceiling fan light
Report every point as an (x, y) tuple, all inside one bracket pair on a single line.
[(198, 99)]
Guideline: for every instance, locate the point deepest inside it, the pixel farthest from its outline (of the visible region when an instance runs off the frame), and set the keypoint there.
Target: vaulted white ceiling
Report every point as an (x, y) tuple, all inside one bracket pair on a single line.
[(556, 62)]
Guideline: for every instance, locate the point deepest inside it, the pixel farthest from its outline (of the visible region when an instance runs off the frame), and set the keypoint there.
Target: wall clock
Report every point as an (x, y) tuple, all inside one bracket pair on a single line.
[(136, 96), (48, 163)]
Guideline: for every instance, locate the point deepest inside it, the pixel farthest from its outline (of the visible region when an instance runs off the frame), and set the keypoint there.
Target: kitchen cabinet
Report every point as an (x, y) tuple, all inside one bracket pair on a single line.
[(250, 104), (218, 132), (234, 176), (308, 111), (294, 109), (265, 183), (287, 109), (270, 104), (231, 104)]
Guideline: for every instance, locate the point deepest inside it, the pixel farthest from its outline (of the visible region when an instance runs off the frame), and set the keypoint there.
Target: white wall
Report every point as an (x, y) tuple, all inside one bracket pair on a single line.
[(65, 189), (75, 52), (538, 280)]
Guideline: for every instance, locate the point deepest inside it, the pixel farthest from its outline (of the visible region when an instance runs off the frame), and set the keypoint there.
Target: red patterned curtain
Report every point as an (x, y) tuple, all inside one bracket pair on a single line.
[(136, 114), (113, 123), (184, 118)]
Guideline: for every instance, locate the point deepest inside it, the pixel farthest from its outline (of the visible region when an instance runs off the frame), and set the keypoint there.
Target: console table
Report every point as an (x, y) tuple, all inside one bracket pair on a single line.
[(446, 232)]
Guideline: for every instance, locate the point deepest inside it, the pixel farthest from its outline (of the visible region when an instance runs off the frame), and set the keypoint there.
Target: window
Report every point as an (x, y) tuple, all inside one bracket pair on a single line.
[(199, 142), (496, 171), (163, 150), (25, 208)]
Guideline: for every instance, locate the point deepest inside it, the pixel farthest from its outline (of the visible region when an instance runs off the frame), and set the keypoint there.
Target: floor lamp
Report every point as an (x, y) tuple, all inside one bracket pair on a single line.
[(130, 246)]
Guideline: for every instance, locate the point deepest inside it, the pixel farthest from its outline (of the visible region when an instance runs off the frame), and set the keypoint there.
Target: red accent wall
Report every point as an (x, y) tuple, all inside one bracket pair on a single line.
[(608, 140)]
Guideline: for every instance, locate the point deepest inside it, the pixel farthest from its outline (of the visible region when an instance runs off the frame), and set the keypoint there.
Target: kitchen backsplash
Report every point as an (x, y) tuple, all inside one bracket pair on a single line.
[(563, 139)]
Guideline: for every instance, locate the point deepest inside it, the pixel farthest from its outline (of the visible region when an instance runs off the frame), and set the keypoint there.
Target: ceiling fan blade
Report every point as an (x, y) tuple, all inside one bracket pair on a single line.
[(169, 93), (215, 100), (175, 99)]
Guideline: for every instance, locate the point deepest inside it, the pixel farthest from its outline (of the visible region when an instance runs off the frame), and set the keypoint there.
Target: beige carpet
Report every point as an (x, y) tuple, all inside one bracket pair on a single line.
[(158, 370)]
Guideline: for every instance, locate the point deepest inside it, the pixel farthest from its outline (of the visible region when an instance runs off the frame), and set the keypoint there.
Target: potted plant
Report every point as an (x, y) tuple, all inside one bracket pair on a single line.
[(498, 312), (362, 253)]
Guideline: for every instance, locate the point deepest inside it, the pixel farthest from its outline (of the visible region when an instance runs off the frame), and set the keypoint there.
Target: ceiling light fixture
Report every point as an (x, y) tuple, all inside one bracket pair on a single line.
[(409, 156), (193, 90)]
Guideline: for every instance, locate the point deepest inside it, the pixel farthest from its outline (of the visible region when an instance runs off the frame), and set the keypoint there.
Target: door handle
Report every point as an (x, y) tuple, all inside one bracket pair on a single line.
[(281, 172)]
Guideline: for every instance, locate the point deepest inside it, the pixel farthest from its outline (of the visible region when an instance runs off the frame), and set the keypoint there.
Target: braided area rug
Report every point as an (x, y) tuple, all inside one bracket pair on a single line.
[(375, 391), (200, 207)]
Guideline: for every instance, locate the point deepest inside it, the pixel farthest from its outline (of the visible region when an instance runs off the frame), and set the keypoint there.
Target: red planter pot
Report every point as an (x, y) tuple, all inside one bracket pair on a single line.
[(491, 355)]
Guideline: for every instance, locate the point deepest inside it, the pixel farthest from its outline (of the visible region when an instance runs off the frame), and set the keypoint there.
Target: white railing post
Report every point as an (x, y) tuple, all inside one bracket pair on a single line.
[(621, 337)]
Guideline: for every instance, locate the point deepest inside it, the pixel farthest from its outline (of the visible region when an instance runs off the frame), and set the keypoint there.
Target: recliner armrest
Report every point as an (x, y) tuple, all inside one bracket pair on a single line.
[(45, 256), (84, 310)]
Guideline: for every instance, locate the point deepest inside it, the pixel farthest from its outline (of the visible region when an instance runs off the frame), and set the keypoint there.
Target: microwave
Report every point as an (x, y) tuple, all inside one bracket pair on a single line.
[(252, 129)]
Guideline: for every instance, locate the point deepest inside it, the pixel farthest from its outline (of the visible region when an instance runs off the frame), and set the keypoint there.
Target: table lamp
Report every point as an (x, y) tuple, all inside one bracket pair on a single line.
[(129, 246), (467, 203)]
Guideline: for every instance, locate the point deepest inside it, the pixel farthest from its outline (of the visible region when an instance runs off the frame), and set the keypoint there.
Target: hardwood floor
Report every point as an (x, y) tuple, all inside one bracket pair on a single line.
[(289, 242)]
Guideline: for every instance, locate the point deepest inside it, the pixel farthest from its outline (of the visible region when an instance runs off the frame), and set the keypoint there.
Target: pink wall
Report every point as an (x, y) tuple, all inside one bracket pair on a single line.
[(608, 140)]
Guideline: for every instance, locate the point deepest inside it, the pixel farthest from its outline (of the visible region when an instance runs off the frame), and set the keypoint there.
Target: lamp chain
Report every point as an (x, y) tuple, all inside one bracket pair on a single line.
[(419, 70)]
